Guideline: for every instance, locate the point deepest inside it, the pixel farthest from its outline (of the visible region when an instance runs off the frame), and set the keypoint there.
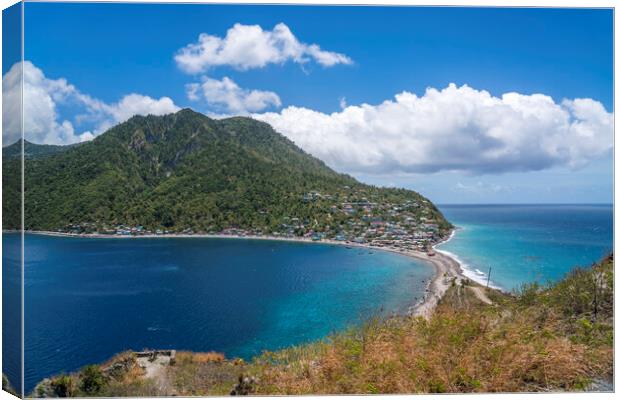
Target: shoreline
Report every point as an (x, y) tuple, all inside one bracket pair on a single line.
[(446, 266), (466, 269)]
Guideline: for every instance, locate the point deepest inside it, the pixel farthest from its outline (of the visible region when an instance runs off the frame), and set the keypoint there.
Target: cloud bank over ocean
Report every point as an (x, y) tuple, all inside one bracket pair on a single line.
[(452, 129)]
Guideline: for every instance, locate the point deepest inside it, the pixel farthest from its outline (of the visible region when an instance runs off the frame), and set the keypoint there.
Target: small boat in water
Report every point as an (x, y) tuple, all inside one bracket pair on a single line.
[(478, 272)]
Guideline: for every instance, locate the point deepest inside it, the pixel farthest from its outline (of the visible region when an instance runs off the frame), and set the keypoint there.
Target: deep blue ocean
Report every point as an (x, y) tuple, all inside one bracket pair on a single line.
[(87, 299), (527, 243)]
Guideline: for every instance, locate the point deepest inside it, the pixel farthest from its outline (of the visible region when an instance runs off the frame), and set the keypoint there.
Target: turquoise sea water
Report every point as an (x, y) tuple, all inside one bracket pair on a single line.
[(87, 299), (526, 243)]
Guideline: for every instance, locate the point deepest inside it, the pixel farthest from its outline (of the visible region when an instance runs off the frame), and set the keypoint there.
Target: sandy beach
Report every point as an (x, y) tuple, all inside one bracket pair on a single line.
[(446, 267)]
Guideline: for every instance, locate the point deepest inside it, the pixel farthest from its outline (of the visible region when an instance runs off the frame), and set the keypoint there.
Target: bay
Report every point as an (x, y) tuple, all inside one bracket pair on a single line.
[(89, 298)]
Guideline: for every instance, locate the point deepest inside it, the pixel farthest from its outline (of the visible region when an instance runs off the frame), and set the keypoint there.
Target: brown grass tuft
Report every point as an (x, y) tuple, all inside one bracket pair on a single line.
[(208, 357)]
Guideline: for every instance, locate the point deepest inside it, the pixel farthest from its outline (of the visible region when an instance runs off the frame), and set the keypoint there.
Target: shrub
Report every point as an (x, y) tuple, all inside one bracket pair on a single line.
[(62, 386), (6, 385), (92, 380)]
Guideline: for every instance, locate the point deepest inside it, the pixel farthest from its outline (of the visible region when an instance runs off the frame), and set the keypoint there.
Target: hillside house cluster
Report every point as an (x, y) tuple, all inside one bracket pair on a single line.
[(348, 217)]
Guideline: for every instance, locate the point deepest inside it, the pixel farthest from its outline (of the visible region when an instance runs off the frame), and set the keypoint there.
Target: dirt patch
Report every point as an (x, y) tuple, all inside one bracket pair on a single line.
[(480, 294)]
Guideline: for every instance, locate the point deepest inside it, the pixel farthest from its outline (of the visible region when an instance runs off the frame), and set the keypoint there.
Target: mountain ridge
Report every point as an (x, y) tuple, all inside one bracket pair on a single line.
[(186, 171), (33, 150)]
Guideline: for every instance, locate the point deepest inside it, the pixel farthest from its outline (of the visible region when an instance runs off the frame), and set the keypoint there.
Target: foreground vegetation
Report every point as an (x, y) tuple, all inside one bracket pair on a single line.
[(558, 337), (6, 386)]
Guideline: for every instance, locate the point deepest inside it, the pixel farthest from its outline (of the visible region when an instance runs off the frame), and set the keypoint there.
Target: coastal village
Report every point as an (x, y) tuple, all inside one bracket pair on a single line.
[(347, 216)]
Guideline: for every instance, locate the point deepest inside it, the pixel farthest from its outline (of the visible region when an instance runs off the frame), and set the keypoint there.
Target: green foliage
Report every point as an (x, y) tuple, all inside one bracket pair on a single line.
[(372, 389), (6, 385), (32, 149), (62, 386), (183, 171), (529, 293), (437, 387), (586, 293), (91, 380), (11, 194)]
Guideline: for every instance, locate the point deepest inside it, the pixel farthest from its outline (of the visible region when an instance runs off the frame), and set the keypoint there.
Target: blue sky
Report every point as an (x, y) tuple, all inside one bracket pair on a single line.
[(129, 47), (11, 34), (107, 51)]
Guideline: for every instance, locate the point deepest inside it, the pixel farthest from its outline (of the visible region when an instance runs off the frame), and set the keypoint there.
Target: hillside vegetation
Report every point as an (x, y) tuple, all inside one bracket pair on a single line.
[(185, 172), (553, 338), (32, 150), (6, 386)]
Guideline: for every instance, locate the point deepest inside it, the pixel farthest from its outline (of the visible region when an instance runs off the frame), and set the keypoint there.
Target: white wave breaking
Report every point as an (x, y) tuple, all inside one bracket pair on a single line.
[(469, 271)]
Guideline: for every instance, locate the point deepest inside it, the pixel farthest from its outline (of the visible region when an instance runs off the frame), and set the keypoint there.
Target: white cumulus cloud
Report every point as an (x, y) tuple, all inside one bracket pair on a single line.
[(249, 46), (129, 105), (42, 96), (452, 129), (226, 95)]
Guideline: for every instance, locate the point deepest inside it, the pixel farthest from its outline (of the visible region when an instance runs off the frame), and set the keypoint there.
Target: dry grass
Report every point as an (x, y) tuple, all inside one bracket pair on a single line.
[(453, 352), (199, 374), (207, 357), (533, 341)]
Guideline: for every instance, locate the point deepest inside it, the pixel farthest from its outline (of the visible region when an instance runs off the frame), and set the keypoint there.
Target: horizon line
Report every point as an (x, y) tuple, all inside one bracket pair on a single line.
[(525, 204)]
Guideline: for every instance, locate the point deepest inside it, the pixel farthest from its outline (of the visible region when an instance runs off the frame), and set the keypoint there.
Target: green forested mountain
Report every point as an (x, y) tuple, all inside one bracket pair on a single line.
[(32, 150), (11, 176), (187, 171)]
